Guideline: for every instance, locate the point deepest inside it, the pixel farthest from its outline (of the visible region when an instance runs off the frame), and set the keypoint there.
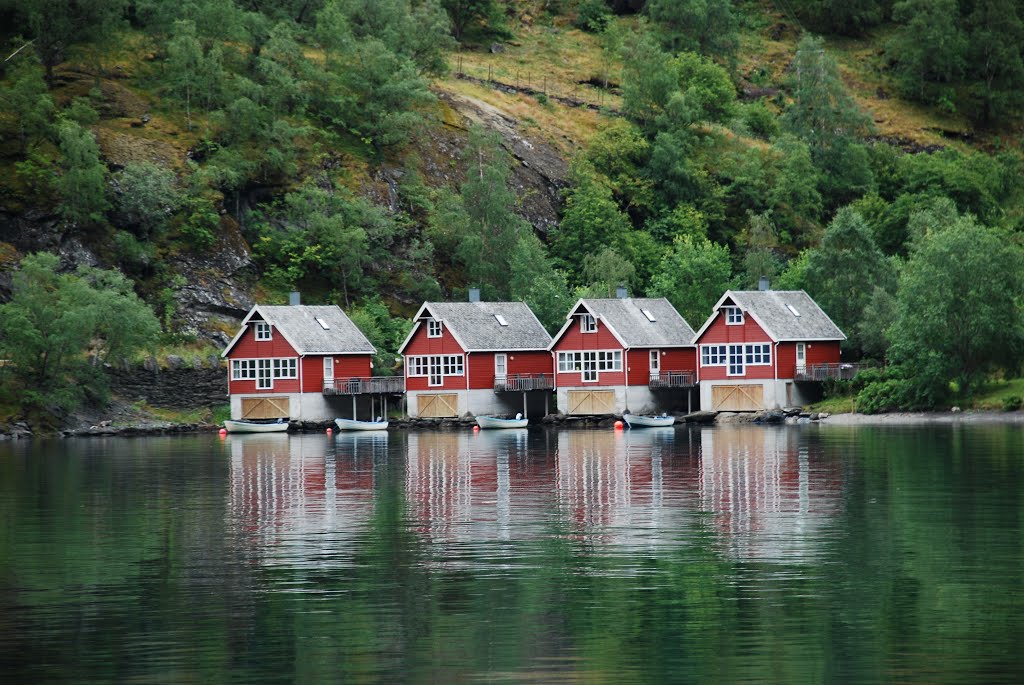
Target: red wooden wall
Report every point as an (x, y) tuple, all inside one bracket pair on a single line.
[(575, 339), (445, 344)]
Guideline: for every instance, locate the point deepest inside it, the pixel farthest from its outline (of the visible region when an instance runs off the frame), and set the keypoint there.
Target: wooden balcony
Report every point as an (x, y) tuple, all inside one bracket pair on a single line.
[(673, 379), (523, 382), (377, 385), (817, 373)]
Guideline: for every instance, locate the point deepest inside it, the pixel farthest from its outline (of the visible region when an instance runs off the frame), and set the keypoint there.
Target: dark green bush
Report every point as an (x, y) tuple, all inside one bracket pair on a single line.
[(1012, 403)]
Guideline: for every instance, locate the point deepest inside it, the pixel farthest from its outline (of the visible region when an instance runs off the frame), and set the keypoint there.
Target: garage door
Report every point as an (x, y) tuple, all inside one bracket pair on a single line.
[(737, 397), (591, 401), (265, 408), (437, 406)]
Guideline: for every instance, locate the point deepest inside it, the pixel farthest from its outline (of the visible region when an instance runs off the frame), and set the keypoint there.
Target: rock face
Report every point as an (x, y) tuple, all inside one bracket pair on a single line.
[(541, 172)]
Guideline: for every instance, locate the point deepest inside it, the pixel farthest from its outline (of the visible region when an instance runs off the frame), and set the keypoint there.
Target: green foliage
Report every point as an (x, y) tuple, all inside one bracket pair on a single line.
[(705, 26), (590, 223), (995, 63), (1012, 403), (604, 271), (534, 280), (930, 47), (693, 277), (760, 120), (54, 320), (760, 258), (842, 271), (146, 196), (619, 152), (592, 15), (25, 98), (473, 18), (83, 178), (385, 332), (951, 323), (846, 17)]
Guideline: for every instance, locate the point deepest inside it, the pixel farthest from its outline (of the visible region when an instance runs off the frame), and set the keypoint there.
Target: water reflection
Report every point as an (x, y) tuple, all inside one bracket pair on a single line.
[(770, 496)]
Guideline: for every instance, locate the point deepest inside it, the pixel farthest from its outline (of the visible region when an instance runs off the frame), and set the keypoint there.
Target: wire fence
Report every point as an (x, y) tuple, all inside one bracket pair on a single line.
[(585, 94)]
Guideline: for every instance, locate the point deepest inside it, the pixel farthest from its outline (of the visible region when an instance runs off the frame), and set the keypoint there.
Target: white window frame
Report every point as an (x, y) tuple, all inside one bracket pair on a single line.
[(654, 365), (589, 363), (714, 355), (758, 354), (733, 316), (262, 331), (264, 374), (500, 365), (243, 369), (285, 367), (328, 368), (801, 357), (435, 367), (435, 329), (734, 362), (588, 324)]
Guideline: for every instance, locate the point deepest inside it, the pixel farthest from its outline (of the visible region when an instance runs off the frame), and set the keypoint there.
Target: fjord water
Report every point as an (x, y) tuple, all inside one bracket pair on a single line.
[(729, 554)]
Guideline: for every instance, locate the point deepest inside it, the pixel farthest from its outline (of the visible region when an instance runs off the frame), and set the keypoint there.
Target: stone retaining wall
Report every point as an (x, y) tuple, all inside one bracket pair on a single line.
[(174, 387)]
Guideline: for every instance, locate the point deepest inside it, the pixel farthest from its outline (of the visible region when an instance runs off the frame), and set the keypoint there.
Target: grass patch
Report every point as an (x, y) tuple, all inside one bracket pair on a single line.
[(212, 415), (996, 394), (835, 405)]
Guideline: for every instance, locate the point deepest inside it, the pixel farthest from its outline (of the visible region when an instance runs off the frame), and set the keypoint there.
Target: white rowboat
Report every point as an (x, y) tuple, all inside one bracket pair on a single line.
[(495, 422), (353, 425), (637, 421), (255, 427)]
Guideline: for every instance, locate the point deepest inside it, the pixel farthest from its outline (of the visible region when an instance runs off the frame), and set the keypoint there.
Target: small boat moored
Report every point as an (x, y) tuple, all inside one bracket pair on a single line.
[(279, 426), (495, 422), (354, 425), (638, 421)]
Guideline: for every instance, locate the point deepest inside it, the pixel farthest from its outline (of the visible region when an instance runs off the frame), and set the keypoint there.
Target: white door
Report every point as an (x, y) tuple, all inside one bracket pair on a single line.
[(801, 357), (328, 371), (655, 364), (500, 366)]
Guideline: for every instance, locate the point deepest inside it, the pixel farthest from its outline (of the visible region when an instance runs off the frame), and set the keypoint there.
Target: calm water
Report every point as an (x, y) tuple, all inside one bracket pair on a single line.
[(789, 555)]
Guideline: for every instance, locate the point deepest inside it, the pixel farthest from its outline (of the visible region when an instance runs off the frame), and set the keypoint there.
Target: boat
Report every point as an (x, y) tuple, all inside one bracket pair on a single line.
[(354, 425), (638, 421), (279, 426), (495, 422)]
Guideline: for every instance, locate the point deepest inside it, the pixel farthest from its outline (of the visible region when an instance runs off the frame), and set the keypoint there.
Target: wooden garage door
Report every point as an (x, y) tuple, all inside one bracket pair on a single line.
[(591, 401), (737, 397), (437, 406), (265, 408)]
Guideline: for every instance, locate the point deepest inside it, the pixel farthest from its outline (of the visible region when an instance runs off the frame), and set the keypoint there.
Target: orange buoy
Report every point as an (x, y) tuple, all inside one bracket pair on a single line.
[(223, 432), (329, 431), (476, 428), (618, 425)]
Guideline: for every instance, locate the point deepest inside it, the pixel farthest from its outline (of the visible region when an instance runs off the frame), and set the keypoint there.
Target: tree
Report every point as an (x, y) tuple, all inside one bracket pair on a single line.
[(958, 309), (28, 101), (605, 271), (54, 320), (843, 270), (590, 223), (466, 14), (846, 17), (82, 183), (693, 277), (760, 259), (930, 47), (146, 197), (55, 25), (705, 26), (995, 64), (534, 279)]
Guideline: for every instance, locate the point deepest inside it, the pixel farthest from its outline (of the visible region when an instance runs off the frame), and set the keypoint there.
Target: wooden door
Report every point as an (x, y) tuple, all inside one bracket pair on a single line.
[(591, 401), (437, 406), (737, 397), (801, 357), (265, 408)]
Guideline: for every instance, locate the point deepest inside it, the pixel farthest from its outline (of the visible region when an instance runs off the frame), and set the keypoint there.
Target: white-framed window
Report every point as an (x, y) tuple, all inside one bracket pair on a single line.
[(655, 364), (264, 374), (733, 316), (759, 354), (713, 355), (436, 366), (590, 362), (262, 330), (735, 360), (243, 369), (588, 324), (434, 328), (328, 368), (287, 367), (500, 365)]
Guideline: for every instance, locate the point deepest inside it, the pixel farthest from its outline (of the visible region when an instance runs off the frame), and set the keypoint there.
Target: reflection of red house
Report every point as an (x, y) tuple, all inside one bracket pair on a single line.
[(623, 354), (287, 361), (758, 345), (476, 357)]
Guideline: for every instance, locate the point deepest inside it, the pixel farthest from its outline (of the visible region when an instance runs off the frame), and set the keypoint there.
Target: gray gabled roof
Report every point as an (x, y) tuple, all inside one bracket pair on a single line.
[(475, 326), (626, 319), (771, 309), (299, 326)]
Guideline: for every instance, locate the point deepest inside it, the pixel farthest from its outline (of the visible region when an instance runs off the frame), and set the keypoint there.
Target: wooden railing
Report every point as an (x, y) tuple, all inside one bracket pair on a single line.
[(673, 379), (365, 386), (521, 382), (824, 372)]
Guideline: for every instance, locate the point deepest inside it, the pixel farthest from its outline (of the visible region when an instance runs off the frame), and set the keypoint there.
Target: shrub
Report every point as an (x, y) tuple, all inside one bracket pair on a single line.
[(1012, 403)]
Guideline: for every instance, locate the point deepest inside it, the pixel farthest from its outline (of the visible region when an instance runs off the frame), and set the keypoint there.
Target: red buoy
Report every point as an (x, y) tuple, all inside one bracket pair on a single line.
[(618, 425)]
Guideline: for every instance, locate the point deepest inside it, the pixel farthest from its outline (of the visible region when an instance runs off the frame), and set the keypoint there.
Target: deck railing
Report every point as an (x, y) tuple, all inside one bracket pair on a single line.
[(521, 382), (673, 379), (365, 386), (824, 372)]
